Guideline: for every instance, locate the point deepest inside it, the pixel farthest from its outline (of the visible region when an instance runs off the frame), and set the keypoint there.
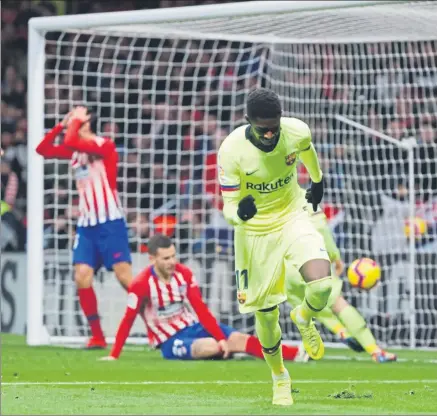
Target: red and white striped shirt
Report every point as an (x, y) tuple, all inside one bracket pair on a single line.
[(94, 163), (169, 307)]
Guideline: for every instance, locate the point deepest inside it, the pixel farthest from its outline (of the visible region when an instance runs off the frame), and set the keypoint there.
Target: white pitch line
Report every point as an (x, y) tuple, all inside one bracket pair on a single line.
[(146, 383), (366, 358)]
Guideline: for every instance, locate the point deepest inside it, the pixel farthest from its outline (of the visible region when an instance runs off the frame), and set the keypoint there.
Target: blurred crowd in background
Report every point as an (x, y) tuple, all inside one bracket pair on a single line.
[(168, 104), (15, 15)]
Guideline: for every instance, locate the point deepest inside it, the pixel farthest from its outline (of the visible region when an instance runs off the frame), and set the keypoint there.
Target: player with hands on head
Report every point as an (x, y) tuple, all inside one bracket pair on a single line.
[(273, 233), (340, 317), (101, 234), (178, 321)]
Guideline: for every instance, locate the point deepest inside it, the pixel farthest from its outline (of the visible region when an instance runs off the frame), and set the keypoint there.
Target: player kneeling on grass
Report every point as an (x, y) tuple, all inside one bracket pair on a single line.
[(166, 293), (339, 316), (101, 234)]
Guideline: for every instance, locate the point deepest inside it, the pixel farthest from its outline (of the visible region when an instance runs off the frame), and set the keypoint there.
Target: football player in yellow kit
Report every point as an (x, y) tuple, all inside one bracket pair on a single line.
[(339, 316), (273, 233)]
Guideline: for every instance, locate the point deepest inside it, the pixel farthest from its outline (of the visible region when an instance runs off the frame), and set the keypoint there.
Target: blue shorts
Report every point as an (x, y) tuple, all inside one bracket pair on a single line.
[(178, 347), (102, 245)]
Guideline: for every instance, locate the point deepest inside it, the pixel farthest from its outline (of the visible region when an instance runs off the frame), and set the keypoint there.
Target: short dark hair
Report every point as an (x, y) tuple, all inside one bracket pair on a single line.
[(158, 241), (263, 103), (93, 119)]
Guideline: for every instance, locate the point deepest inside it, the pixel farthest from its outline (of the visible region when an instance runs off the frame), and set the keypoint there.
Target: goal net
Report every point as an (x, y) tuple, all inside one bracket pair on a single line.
[(168, 86)]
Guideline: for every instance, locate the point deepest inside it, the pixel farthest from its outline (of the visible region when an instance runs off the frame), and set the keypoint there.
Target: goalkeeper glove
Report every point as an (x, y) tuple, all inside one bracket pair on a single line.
[(314, 195), (247, 208)]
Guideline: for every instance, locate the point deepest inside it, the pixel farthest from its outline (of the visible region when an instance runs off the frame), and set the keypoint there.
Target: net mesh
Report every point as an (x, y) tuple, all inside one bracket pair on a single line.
[(169, 101), (414, 20)]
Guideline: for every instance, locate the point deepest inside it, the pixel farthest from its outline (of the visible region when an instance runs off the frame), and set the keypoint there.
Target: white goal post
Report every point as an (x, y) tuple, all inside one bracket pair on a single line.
[(408, 145), (168, 84)]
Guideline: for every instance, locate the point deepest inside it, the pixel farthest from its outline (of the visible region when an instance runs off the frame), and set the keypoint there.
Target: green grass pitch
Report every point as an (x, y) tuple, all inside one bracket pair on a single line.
[(50, 380)]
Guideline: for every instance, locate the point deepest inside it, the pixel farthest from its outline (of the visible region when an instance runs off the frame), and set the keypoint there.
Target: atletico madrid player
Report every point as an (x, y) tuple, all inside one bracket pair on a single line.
[(101, 235), (178, 321)]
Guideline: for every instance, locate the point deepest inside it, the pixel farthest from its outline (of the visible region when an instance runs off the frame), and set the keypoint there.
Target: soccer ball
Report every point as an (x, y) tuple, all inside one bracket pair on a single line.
[(419, 225), (364, 273)]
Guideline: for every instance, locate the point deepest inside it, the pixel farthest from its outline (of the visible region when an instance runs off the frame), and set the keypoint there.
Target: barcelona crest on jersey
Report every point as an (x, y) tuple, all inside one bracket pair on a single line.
[(241, 296), (290, 159)]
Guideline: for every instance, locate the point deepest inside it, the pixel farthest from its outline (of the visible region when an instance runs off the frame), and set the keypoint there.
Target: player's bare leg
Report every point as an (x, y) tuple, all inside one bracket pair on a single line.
[(270, 335), (123, 272), (248, 344), (319, 286), (357, 327), (83, 275), (204, 348)]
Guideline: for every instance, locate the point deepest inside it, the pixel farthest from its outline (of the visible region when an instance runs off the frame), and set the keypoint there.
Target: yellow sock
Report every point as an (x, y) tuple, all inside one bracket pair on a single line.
[(330, 321), (356, 325), (274, 359), (305, 312), (316, 297), (269, 335), (340, 330)]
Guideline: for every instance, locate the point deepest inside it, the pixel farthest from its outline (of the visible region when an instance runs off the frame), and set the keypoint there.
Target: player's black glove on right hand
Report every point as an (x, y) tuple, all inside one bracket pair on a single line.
[(314, 195), (247, 208)]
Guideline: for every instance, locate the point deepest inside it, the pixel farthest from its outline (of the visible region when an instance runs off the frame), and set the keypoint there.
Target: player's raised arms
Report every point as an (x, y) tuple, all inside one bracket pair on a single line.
[(101, 234)]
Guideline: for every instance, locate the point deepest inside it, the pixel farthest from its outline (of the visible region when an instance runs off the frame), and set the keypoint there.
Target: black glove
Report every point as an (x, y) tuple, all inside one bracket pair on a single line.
[(314, 195), (247, 208)]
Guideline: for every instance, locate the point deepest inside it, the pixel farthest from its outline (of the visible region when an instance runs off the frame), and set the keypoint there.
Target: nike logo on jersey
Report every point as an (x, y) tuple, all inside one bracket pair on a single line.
[(252, 172)]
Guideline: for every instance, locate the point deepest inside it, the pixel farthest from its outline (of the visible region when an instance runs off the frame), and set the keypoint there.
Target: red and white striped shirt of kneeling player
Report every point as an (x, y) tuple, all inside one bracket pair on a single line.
[(168, 307), (94, 163)]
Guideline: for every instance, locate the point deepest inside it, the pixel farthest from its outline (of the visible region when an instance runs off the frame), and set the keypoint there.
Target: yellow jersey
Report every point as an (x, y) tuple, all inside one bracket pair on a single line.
[(270, 177)]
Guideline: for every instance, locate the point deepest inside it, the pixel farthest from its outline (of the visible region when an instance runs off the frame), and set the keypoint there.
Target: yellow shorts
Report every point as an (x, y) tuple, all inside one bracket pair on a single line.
[(263, 261)]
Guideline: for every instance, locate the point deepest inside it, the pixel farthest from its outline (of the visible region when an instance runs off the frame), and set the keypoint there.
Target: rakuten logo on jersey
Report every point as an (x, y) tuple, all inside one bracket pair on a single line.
[(266, 188)]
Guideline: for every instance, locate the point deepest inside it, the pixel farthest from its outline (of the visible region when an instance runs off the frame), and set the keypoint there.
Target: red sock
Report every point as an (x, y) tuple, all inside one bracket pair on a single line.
[(88, 302), (289, 352), (253, 347)]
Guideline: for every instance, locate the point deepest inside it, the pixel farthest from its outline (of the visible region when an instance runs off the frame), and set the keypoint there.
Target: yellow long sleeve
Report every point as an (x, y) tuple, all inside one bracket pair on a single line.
[(311, 161), (230, 209)]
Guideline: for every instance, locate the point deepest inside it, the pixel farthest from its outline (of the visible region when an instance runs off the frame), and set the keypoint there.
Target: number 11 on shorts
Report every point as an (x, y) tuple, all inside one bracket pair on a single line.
[(242, 278)]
